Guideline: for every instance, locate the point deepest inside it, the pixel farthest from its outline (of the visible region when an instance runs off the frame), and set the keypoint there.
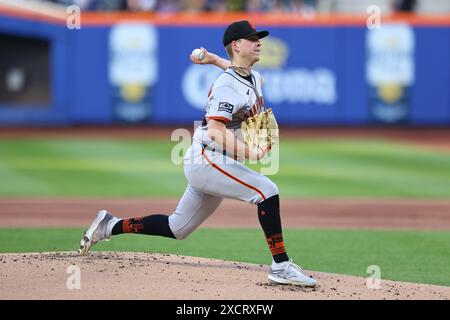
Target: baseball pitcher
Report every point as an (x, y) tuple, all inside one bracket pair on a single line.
[(236, 127)]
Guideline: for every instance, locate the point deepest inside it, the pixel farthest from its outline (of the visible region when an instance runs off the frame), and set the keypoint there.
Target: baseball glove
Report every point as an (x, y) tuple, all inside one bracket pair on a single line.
[(260, 130)]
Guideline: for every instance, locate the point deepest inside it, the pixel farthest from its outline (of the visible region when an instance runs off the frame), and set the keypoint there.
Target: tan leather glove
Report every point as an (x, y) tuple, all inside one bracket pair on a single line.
[(260, 131)]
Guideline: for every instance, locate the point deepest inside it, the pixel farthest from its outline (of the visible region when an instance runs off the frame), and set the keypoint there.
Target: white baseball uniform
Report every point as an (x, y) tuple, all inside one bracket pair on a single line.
[(211, 174)]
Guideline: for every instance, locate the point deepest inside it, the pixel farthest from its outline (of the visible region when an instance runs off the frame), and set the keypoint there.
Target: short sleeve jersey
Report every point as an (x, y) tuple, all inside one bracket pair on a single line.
[(232, 99)]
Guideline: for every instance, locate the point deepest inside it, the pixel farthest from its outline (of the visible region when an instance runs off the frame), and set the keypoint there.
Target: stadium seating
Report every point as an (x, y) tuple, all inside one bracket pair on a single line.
[(433, 6)]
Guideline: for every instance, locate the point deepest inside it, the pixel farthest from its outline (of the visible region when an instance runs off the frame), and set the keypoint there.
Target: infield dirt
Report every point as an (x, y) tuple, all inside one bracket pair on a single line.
[(111, 275)]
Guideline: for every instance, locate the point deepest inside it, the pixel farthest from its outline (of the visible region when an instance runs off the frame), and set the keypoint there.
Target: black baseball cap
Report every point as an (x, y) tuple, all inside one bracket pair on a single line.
[(241, 30)]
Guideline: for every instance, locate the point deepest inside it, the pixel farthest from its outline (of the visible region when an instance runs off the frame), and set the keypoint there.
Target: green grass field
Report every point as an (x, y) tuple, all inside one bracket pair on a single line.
[(308, 169), (133, 168)]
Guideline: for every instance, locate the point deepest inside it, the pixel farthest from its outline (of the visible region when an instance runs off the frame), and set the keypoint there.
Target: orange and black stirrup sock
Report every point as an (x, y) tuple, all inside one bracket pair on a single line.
[(269, 218), (156, 225)]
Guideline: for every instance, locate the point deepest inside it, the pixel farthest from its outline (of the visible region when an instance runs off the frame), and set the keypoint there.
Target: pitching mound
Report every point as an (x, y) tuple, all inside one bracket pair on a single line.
[(112, 275)]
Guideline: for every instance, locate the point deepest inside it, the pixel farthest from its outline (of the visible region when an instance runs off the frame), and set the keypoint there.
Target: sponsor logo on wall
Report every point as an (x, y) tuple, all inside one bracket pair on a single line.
[(283, 84), (390, 72), (293, 85), (133, 70)]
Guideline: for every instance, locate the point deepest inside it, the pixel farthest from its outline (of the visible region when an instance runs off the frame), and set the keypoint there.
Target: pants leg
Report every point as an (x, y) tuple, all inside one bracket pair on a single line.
[(194, 208), (213, 173)]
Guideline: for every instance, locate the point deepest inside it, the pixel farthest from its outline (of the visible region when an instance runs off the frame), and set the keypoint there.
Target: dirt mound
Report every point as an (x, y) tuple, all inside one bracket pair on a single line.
[(111, 275)]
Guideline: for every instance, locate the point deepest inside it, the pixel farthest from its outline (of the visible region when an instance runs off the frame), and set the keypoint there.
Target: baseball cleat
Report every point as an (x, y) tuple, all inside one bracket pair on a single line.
[(99, 230), (290, 273)]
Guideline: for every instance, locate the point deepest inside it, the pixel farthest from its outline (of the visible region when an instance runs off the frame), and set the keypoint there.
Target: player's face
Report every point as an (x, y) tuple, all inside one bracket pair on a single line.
[(250, 49)]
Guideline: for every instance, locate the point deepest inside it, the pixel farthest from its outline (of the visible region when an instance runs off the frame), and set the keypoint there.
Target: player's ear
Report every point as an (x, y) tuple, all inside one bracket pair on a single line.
[(235, 45)]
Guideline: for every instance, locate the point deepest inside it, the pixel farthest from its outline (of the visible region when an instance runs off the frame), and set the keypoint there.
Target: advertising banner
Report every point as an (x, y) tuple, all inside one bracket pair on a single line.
[(390, 72), (132, 72)]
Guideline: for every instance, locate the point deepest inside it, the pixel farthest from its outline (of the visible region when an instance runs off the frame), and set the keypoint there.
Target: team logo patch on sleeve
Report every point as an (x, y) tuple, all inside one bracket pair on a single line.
[(225, 106)]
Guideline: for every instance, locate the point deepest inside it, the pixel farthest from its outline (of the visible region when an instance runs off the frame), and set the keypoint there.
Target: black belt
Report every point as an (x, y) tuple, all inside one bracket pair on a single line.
[(205, 146)]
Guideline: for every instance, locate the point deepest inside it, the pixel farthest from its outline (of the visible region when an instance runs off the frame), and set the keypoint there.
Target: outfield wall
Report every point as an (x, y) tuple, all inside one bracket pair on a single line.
[(135, 69)]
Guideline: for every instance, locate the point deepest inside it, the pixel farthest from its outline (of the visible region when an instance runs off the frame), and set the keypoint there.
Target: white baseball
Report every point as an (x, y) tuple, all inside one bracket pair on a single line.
[(198, 54)]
